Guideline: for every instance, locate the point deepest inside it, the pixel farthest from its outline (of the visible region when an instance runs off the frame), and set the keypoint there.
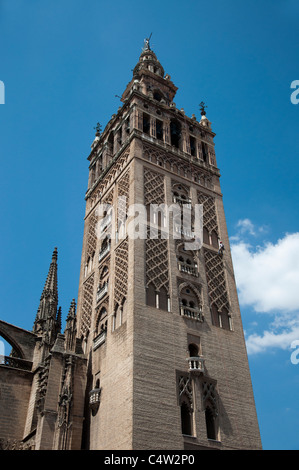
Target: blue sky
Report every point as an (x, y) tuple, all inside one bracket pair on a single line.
[(63, 62)]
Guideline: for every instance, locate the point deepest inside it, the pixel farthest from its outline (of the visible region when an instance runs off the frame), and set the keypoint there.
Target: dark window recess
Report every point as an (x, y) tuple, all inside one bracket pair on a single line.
[(192, 146), (210, 424), (151, 296), (186, 419), (175, 133), (158, 96), (146, 123), (159, 129), (204, 152)]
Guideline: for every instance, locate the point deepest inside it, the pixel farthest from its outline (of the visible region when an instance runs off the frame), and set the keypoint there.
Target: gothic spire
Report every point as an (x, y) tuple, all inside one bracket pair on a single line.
[(47, 310), (71, 328)]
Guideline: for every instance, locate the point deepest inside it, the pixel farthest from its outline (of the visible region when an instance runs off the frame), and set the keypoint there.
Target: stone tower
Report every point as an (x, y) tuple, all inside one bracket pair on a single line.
[(160, 322)]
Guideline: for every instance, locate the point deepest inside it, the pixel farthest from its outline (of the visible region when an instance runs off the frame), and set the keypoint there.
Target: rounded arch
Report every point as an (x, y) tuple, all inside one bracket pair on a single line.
[(181, 188), (100, 319), (158, 95), (16, 350), (193, 350), (193, 289), (21, 341)]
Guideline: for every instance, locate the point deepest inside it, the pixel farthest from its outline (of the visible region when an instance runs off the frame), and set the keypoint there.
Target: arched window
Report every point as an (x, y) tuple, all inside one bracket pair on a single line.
[(225, 319), (214, 239), (206, 237), (163, 299), (210, 400), (186, 261), (175, 133), (159, 129), (158, 95), (186, 405), (210, 423), (189, 304), (186, 419), (105, 248), (151, 295), (101, 324), (146, 123), (215, 315)]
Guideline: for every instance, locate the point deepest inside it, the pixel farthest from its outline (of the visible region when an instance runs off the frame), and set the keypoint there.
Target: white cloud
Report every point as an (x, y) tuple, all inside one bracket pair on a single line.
[(245, 225), (256, 343), (267, 278)]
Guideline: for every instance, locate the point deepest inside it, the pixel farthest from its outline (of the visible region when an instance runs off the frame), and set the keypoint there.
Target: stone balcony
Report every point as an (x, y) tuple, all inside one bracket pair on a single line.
[(196, 364), (192, 313), (15, 363), (99, 339), (94, 398), (102, 292)]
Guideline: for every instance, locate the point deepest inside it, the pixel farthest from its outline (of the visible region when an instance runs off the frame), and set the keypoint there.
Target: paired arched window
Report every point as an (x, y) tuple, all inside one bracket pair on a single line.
[(190, 305), (221, 318), (120, 315), (186, 261), (157, 298)]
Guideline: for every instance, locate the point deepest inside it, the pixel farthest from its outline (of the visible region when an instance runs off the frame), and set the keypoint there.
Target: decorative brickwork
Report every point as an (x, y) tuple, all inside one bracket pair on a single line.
[(185, 389), (157, 270), (123, 197), (154, 192), (209, 212), (92, 236), (121, 272), (88, 289), (216, 280)]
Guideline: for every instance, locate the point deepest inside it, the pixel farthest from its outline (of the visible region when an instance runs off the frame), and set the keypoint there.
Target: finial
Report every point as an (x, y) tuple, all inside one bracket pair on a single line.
[(55, 254), (146, 46), (98, 129), (202, 108)]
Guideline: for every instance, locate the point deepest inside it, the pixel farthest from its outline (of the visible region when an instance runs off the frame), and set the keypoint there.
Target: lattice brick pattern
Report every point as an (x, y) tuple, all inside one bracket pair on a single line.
[(185, 388), (209, 212), (123, 192), (153, 187), (157, 270), (121, 272), (92, 236), (216, 280), (88, 288)]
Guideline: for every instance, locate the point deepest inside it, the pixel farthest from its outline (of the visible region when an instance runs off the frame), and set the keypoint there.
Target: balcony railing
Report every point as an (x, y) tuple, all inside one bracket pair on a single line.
[(104, 252), (186, 232), (15, 363), (193, 313), (99, 340), (186, 268), (196, 364), (101, 292), (94, 397)]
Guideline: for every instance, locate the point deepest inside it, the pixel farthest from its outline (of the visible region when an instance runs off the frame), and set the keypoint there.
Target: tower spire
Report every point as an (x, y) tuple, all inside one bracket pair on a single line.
[(71, 328), (47, 317)]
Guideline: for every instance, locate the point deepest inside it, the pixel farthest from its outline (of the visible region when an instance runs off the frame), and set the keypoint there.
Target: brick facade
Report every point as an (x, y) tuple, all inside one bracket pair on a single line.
[(155, 356)]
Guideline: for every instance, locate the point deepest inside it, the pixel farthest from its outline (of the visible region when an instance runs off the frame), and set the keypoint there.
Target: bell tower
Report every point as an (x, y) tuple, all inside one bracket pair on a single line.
[(159, 319)]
